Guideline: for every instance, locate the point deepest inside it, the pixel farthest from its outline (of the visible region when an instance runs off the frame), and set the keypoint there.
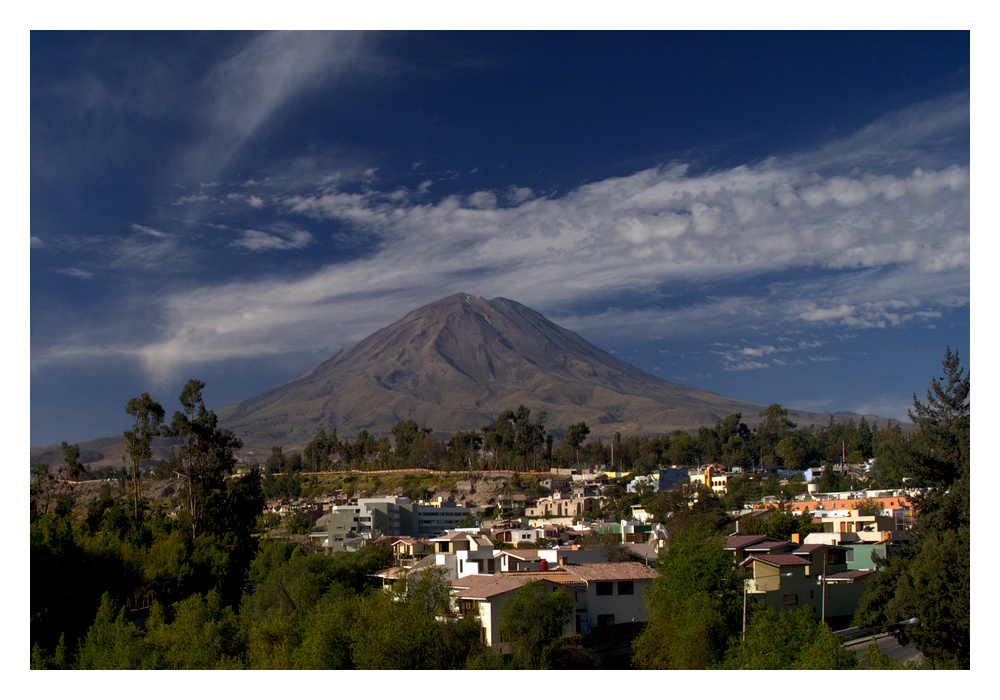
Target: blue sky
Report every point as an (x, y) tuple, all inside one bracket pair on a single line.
[(773, 216)]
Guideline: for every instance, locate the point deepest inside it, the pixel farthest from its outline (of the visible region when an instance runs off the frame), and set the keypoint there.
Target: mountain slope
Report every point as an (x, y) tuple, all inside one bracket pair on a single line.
[(457, 363)]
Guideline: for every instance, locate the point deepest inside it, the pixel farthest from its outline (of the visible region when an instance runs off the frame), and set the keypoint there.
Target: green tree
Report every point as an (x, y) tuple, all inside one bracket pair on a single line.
[(935, 588), (792, 641), (576, 434), (695, 605), (407, 434), (41, 486), (207, 450), (774, 426), (112, 642), (930, 580), (532, 621), (147, 420), (203, 635), (71, 467)]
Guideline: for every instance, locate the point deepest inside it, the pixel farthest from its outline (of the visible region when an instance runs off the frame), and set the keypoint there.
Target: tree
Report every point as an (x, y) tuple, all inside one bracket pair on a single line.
[(793, 641), (407, 434), (930, 580), (935, 588), (773, 427), (532, 621), (576, 434), (207, 450), (147, 419), (112, 642), (464, 445), (695, 605), (71, 467), (938, 457), (41, 485)]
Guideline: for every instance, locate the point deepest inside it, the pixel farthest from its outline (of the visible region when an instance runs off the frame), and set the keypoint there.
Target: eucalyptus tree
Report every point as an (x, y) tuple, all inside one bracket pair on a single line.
[(207, 449), (71, 467), (147, 423)]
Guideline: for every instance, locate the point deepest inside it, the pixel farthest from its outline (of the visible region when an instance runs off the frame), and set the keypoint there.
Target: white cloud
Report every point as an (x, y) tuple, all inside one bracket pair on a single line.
[(248, 89), (855, 247), (256, 241), (76, 272)]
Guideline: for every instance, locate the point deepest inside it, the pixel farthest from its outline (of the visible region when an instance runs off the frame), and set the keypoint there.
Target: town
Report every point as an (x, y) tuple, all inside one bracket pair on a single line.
[(576, 566)]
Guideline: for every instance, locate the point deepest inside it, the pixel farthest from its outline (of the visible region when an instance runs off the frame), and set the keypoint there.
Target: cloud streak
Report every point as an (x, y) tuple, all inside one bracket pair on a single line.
[(841, 239)]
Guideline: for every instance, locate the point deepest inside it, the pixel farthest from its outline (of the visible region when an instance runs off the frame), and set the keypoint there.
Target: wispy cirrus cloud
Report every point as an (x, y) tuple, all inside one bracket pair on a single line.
[(248, 89), (838, 246), (278, 238)]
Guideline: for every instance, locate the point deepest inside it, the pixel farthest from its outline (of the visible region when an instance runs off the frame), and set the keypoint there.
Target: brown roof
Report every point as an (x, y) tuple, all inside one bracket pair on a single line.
[(743, 541), (611, 571), (810, 548), (851, 575), (778, 560), (482, 587), (521, 553), (769, 545)]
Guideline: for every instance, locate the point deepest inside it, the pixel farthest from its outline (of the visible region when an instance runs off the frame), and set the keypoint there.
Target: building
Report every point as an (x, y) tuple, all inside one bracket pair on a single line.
[(373, 517), (659, 480), (814, 576), (604, 595)]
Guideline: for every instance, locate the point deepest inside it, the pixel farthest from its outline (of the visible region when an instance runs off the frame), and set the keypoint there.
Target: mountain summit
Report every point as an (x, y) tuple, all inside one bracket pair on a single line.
[(456, 364)]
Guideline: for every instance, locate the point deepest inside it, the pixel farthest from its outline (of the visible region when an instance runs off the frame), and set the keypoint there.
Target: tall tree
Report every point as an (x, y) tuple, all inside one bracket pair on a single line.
[(71, 467), (576, 434), (695, 605), (147, 421), (207, 451), (930, 580), (407, 434), (774, 426)]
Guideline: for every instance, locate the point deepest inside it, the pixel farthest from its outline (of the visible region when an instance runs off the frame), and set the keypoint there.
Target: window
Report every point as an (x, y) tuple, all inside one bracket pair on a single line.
[(625, 587), (790, 599), (604, 620), (604, 588)]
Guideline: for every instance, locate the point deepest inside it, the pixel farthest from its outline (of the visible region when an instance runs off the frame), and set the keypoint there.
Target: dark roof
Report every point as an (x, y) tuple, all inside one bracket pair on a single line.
[(778, 560), (769, 545), (851, 575), (810, 548), (744, 541)]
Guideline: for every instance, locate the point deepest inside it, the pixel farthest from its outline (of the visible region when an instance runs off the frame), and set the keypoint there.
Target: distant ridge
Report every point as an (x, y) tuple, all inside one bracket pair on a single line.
[(456, 363)]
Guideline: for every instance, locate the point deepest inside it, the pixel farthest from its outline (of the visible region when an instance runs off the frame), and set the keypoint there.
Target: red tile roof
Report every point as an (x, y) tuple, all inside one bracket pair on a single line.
[(611, 571), (480, 587)]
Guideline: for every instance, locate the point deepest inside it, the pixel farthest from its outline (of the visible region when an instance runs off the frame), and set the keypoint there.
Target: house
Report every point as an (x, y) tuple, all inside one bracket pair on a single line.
[(464, 554), (743, 546), (407, 551), (604, 594), (712, 476), (558, 507), (485, 596), (615, 593), (659, 480), (813, 576)]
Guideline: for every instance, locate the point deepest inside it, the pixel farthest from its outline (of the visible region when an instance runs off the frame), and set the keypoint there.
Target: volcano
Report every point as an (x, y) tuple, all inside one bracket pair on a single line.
[(457, 363)]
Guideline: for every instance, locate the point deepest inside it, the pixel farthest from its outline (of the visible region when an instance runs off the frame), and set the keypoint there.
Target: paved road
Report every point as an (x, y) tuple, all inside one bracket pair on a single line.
[(888, 645)]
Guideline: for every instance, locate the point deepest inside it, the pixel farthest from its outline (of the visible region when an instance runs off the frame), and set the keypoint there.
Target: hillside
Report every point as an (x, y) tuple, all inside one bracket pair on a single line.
[(457, 363)]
